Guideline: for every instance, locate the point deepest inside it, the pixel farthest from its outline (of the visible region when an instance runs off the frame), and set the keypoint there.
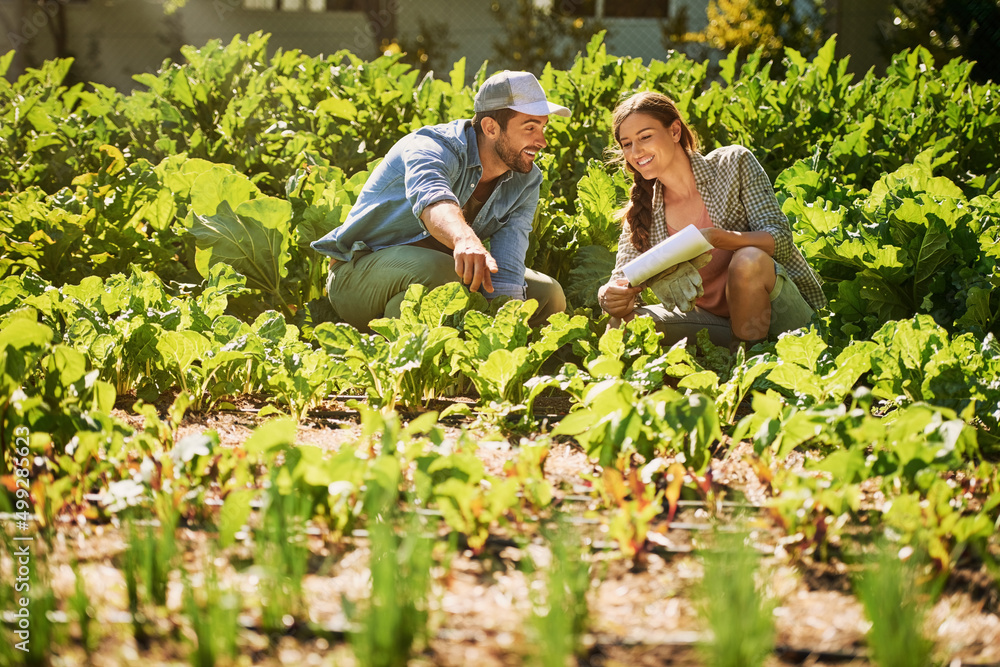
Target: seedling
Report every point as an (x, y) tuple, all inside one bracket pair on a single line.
[(214, 615), (895, 603), (392, 624), (737, 613), (83, 611), (562, 616), (283, 554)]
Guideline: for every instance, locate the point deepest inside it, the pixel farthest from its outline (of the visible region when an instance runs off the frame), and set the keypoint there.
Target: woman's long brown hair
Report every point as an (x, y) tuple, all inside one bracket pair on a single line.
[(638, 213)]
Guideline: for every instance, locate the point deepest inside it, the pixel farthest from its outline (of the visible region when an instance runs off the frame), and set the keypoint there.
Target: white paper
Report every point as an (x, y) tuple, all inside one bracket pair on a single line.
[(683, 246)]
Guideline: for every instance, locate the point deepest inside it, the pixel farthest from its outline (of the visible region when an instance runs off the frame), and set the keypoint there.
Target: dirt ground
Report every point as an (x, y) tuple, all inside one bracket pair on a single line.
[(640, 614)]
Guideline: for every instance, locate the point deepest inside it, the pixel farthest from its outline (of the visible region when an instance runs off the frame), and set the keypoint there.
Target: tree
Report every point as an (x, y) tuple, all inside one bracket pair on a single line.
[(428, 49), (534, 35), (770, 25), (949, 29)]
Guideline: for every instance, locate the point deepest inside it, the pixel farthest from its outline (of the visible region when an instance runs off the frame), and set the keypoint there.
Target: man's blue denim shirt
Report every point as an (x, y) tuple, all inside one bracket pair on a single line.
[(432, 164)]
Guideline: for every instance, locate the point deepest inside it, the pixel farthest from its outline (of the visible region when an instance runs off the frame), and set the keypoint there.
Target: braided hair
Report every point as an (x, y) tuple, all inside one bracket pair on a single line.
[(638, 212)]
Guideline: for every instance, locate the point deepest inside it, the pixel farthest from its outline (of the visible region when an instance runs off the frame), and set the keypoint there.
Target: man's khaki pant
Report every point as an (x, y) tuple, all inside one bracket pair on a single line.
[(373, 284)]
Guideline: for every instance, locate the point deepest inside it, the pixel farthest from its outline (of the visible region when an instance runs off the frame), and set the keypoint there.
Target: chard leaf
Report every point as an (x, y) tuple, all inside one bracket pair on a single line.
[(233, 515), (180, 349), (253, 239), (803, 349), (591, 269), (141, 346), (217, 185), (273, 434)]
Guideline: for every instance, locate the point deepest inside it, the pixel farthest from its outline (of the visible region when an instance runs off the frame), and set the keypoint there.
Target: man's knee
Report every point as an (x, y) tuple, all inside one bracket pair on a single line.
[(439, 273), (547, 292)]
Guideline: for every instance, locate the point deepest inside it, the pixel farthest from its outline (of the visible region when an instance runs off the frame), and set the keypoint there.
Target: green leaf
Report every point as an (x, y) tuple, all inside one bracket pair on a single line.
[(233, 515), (180, 349), (253, 239), (24, 334), (217, 185), (271, 435), (802, 348), (591, 269), (338, 107)]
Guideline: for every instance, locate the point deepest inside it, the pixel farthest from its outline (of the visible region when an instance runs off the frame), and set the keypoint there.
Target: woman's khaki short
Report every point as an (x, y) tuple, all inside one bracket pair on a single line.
[(789, 311)]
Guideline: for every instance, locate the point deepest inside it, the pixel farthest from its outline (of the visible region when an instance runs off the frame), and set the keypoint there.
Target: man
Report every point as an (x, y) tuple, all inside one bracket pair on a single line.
[(440, 192)]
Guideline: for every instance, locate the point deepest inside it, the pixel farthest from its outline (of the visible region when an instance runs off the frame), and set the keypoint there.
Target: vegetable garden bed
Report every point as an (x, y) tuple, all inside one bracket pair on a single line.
[(202, 464)]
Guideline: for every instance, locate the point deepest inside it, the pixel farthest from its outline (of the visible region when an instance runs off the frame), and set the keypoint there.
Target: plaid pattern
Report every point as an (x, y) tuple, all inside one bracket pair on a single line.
[(739, 197)]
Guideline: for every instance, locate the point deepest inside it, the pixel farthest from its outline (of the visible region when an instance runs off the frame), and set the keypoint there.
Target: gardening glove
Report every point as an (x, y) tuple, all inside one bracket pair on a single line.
[(680, 285)]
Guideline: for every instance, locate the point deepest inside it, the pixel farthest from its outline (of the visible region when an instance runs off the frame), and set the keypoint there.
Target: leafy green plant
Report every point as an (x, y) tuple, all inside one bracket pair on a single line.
[(469, 500), (561, 617), (498, 354), (895, 604), (612, 421), (429, 319), (736, 611), (392, 623), (634, 504)]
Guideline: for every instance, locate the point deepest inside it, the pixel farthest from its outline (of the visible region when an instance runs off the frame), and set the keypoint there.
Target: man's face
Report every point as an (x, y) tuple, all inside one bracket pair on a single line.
[(518, 144)]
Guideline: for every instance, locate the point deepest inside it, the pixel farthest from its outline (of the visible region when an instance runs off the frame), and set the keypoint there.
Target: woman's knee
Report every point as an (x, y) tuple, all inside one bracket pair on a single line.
[(750, 267), (747, 263)]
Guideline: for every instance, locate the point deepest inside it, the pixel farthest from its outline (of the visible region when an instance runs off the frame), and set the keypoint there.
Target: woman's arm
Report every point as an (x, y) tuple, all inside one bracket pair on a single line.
[(733, 240)]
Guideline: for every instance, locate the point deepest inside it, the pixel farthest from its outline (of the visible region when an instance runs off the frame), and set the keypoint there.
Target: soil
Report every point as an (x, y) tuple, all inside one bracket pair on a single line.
[(642, 612)]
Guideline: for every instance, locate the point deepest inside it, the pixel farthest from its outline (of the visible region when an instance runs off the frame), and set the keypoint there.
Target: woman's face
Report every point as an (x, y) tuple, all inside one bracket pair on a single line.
[(648, 146)]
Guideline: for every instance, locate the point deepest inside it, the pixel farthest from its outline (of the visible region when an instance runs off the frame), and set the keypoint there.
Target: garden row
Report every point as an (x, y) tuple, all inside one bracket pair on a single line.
[(111, 174), (155, 256)]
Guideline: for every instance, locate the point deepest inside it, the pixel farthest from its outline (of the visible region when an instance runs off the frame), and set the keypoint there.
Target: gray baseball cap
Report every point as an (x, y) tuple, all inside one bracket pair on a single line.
[(519, 91)]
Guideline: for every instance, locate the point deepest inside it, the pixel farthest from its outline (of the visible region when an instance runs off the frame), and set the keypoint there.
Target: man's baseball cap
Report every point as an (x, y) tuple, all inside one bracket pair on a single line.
[(519, 91)]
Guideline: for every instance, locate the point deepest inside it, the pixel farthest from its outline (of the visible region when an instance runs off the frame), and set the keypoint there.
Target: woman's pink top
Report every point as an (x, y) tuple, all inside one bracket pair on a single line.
[(714, 274)]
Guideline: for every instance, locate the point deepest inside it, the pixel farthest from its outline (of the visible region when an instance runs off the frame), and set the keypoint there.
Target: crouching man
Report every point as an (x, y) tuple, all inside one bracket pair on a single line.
[(441, 191)]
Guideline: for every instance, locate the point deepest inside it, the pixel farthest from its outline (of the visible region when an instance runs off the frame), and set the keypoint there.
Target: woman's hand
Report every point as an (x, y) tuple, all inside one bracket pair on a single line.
[(618, 298), (715, 236)]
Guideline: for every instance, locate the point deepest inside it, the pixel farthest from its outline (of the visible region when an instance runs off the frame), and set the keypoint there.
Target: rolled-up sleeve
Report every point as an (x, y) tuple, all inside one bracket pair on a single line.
[(626, 252), (762, 208), (428, 167), (509, 245)]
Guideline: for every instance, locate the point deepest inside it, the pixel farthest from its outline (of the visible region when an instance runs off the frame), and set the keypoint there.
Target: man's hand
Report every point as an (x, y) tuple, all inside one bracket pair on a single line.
[(474, 263)]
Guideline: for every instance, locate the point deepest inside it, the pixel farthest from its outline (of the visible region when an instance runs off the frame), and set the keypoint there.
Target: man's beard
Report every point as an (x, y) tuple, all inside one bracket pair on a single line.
[(514, 159)]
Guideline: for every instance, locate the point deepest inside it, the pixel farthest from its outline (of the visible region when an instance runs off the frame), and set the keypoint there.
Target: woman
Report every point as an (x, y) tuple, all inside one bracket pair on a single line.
[(757, 283)]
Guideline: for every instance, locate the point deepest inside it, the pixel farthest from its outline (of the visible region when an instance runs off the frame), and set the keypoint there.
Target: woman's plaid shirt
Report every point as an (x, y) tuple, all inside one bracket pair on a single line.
[(739, 197)]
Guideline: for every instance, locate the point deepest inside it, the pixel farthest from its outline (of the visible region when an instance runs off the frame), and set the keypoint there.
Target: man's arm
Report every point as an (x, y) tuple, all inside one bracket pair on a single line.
[(473, 263)]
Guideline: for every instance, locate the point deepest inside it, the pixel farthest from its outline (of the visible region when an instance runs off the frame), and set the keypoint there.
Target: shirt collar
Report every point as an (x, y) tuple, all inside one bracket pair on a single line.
[(472, 141), (702, 170)]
